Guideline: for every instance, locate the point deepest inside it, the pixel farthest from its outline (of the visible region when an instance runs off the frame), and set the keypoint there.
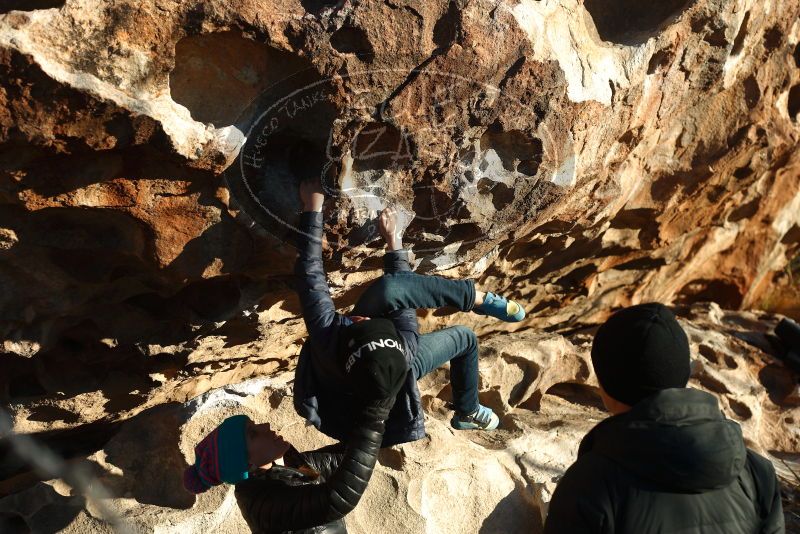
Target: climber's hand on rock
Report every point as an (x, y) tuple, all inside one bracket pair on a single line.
[(311, 195), (391, 226)]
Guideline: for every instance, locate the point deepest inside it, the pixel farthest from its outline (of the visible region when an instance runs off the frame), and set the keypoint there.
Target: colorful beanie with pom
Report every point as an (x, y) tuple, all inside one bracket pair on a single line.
[(220, 457)]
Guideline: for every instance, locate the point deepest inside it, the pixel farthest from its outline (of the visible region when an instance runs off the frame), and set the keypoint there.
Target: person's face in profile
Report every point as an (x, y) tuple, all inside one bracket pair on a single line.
[(264, 446)]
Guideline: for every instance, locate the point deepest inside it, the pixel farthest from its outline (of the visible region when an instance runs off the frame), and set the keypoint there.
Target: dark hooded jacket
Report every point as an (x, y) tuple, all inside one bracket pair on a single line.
[(673, 463), (320, 393)]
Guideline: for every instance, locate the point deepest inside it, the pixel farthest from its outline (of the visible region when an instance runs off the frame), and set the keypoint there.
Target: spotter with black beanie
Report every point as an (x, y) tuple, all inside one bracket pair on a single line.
[(385, 316), (667, 460)]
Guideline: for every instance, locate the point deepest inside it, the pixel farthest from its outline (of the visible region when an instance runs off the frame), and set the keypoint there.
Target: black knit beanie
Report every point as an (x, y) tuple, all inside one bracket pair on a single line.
[(639, 351), (371, 356)]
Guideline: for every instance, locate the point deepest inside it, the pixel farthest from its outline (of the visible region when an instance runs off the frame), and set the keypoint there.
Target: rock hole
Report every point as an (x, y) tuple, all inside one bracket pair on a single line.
[(745, 211), (738, 41), (793, 102), (743, 172), (737, 137), (725, 293), (275, 399), (708, 353), (582, 394), (773, 39), (217, 75), (740, 409), (47, 413), (791, 237), (645, 263), (752, 93), (632, 22), (659, 60), (353, 40), (715, 36), (779, 383), (577, 277), (557, 423), (532, 403), (631, 137), (730, 362), (446, 28), (468, 232), (391, 458), (315, 6), (711, 29), (517, 151), (123, 402), (712, 384), (30, 5), (530, 372), (502, 195)]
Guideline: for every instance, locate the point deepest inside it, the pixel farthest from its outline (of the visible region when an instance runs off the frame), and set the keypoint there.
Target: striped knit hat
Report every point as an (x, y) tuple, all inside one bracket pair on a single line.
[(220, 457)]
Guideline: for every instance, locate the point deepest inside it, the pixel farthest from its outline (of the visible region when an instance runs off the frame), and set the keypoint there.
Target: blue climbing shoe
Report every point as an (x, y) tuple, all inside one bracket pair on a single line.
[(500, 308), (483, 419)]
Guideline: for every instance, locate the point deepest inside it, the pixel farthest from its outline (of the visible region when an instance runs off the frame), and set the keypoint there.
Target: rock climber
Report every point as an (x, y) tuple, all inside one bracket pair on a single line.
[(667, 460), (281, 490), (385, 313)]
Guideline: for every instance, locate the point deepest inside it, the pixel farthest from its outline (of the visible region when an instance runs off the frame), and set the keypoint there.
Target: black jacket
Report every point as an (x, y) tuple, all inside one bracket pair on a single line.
[(320, 393), (673, 463), (284, 499)]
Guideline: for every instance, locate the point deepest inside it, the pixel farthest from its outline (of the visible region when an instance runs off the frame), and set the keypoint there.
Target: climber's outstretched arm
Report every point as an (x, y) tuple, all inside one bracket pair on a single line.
[(319, 311)]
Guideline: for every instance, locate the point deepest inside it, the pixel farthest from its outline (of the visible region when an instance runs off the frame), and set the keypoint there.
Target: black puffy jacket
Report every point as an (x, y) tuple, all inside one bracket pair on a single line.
[(283, 499), (673, 463)]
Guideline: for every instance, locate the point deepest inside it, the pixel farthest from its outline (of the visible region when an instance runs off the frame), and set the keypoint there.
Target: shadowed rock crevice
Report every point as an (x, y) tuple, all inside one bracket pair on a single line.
[(315, 6), (752, 93), (727, 293), (29, 5), (773, 39), (41, 509), (447, 28), (518, 151), (577, 394), (353, 40), (660, 59), (793, 103), (632, 22), (218, 75), (67, 444)]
